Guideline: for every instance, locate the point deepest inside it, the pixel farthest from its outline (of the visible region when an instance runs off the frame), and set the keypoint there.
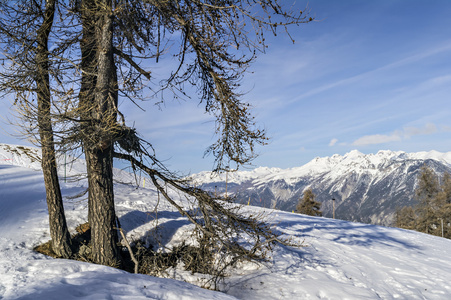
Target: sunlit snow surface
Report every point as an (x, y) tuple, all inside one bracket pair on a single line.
[(341, 260)]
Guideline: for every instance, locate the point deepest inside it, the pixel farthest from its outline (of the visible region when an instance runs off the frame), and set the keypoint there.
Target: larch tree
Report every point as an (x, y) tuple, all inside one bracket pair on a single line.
[(98, 112), (444, 200), (214, 41), (405, 217), (432, 213), (445, 191), (25, 29), (217, 42), (307, 205), (426, 193)]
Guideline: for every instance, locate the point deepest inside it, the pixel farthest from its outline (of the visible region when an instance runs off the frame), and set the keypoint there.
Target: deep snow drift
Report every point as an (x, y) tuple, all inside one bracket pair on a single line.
[(341, 260)]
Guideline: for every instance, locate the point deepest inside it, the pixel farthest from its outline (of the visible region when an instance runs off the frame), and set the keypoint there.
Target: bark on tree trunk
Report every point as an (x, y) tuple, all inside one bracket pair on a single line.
[(99, 153), (88, 79), (61, 242), (102, 217)]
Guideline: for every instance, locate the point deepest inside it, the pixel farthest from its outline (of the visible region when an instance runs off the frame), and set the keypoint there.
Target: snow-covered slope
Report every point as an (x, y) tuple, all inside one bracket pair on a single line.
[(341, 260), (69, 168), (23, 156), (367, 187), (25, 274)]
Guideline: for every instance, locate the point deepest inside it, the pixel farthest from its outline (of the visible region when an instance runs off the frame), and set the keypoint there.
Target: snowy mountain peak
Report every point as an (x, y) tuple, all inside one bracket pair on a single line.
[(368, 187), (354, 154)]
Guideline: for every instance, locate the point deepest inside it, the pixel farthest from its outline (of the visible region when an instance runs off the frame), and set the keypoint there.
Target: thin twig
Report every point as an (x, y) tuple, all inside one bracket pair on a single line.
[(127, 244)]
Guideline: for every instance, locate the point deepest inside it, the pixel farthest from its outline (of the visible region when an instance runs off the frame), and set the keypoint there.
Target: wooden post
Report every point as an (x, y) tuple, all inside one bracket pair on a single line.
[(333, 208), (227, 177), (65, 174)]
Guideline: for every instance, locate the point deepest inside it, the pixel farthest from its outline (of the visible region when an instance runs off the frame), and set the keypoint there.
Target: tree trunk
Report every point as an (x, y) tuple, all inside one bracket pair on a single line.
[(102, 216), (88, 79), (99, 148), (61, 243)]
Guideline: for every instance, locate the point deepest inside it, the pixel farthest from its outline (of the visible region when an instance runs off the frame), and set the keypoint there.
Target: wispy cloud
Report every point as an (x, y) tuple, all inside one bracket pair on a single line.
[(377, 139), (333, 142), (421, 55), (396, 136), (428, 129)]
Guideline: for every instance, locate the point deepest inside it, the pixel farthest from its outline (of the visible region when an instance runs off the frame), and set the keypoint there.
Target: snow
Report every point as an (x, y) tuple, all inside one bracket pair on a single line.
[(340, 260)]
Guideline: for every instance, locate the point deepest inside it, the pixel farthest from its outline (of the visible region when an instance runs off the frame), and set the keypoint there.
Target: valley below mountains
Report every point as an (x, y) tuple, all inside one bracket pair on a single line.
[(367, 188)]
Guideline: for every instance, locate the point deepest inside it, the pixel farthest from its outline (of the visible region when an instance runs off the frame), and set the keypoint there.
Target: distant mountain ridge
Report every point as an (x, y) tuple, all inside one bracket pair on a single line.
[(367, 187)]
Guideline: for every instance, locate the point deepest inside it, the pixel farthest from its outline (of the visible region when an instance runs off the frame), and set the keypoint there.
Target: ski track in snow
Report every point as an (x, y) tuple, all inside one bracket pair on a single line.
[(340, 260)]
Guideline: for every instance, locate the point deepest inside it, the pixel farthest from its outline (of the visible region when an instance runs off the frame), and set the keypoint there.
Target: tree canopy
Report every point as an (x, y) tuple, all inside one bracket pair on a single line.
[(95, 52)]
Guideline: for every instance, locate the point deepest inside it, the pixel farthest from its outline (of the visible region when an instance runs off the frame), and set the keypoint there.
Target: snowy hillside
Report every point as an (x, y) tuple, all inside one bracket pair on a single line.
[(367, 187), (69, 168), (341, 260)]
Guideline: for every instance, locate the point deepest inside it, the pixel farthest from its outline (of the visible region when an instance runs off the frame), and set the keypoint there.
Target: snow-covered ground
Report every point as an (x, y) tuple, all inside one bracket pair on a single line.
[(341, 260)]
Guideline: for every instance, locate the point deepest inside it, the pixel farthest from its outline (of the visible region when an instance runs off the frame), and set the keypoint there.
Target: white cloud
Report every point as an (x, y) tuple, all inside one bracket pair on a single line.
[(396, 136), (376, 139), (333, 142), (428, 129)]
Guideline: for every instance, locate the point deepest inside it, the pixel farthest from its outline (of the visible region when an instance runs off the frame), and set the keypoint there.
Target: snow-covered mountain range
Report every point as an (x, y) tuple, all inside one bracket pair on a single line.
[(366, 187)]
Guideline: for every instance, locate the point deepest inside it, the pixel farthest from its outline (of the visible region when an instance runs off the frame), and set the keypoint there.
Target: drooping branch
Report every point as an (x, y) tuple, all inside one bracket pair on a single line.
[(223, 234), (219, 41), (220, 220)]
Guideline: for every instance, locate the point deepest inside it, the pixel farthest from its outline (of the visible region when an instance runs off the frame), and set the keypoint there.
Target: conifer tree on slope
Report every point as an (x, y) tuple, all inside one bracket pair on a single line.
[(405, 217), (215, 43), (433, 208), (444, 200), (426, 193), (307, 205), (217, 40)]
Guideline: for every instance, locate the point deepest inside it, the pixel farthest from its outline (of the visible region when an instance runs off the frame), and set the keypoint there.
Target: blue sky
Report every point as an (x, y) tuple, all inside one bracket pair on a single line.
[(366, 75)]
